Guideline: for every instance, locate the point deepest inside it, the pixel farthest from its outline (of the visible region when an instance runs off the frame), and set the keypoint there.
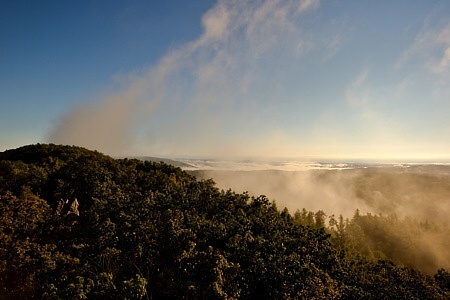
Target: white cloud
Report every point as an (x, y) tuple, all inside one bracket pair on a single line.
[(205, 93), (333, 46), (216, 24), (306, 5), (444, 63), (357, 93), (431, 48)]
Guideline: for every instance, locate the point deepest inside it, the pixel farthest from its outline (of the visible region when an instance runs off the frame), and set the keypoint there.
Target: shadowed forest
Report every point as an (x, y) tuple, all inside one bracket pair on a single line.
[(76, 224)]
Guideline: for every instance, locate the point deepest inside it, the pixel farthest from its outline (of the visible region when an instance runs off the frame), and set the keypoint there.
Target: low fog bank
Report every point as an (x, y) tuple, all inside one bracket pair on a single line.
[(419, 194)]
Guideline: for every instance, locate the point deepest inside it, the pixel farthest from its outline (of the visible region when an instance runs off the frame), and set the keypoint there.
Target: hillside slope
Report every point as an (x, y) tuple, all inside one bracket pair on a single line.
[(150, 230)]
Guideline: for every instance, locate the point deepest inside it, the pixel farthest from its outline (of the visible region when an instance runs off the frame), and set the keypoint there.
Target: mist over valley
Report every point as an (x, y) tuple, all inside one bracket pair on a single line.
[(415, 189), (415, 195), (225, 149), (78, 222)]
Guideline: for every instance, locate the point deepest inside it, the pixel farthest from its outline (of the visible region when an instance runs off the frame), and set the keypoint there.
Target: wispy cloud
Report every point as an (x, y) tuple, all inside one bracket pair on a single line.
[(203, 92), (333, 46), (377, 130), (431, 47), (443, 42), (357, 93)]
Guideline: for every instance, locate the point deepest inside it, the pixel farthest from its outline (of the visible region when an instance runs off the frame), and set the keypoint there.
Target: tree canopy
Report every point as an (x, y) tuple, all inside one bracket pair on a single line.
[(148, 230)]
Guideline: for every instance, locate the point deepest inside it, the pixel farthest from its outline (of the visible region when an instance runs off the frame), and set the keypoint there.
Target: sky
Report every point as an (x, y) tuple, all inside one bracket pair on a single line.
[(232, 78)]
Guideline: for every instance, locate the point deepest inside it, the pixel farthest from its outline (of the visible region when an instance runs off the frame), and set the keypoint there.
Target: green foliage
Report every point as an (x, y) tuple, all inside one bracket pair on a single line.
[(405, 241), (151, 231), (442, 278), (21, 254)]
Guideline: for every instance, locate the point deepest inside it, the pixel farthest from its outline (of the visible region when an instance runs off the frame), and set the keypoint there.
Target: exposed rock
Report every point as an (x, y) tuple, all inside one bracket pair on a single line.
[(67, 207)]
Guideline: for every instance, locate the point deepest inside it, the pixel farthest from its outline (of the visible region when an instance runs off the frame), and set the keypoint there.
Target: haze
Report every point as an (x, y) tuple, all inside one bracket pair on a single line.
[(237, 79), (419, 193), (366, 79)]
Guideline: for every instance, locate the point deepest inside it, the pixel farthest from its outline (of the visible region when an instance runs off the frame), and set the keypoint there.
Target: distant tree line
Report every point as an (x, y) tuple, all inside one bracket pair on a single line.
[(148, 230)]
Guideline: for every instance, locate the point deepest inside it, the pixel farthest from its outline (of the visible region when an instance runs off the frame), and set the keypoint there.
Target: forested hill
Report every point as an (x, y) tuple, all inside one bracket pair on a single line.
[(76, 224)]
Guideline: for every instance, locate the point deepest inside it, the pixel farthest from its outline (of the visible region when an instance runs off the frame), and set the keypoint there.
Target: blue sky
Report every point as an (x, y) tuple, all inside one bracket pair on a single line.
[(353, 79)]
